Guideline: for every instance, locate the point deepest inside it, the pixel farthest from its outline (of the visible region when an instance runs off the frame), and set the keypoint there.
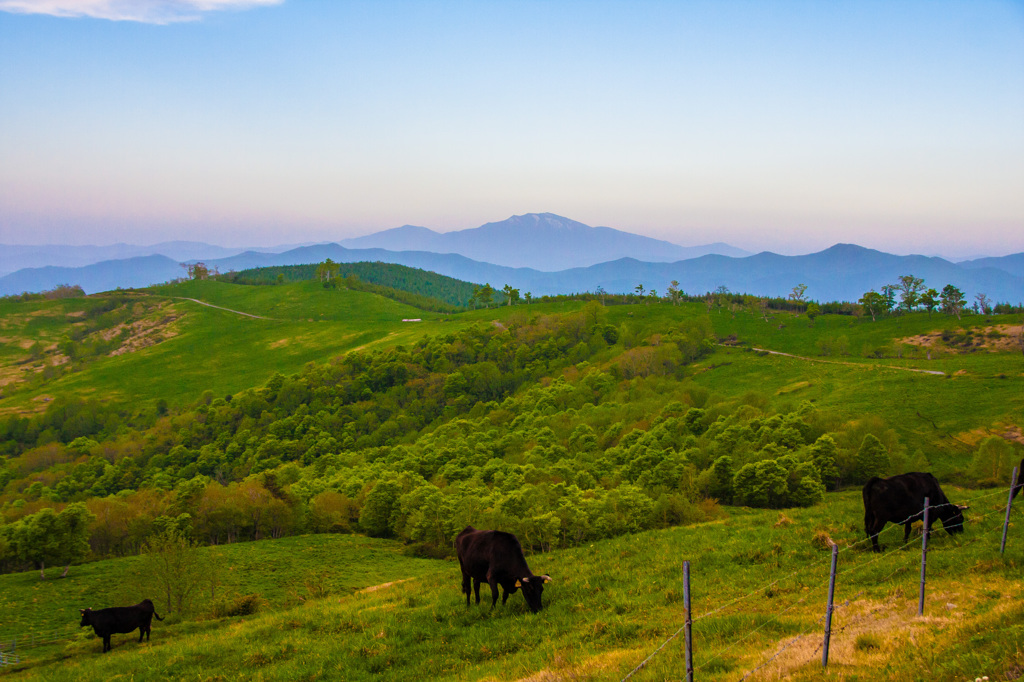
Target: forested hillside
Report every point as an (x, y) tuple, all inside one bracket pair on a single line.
[(563, 427), (422, 288)]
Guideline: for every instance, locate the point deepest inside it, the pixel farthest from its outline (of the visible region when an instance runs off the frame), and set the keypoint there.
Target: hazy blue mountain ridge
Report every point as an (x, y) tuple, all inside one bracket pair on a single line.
[(541, 241), (842, 272)]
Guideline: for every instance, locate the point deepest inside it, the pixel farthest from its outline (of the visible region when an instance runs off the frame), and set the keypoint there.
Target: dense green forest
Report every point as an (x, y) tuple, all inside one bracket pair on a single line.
[(420, 288)]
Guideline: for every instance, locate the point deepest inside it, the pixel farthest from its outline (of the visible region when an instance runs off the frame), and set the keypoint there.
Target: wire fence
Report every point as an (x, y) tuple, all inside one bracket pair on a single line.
[(11, 644), (979, 535)]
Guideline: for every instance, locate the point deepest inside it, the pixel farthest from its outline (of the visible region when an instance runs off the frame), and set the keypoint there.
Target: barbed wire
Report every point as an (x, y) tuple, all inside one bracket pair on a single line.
[(33, 639), (917, 516)]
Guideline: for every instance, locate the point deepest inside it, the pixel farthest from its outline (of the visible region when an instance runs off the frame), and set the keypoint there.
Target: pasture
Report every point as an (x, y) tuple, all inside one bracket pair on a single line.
[(759, 583)]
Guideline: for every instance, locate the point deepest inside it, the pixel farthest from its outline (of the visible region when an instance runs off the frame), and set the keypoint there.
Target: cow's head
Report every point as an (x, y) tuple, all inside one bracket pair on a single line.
[(953, 520), (532, 587), (86, 617)]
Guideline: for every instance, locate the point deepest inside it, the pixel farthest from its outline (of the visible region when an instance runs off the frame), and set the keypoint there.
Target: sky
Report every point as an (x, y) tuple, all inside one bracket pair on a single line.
[(781, 126)]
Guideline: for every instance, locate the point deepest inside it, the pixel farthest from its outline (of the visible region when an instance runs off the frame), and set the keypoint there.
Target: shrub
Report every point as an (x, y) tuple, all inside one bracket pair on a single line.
[(240, 605)]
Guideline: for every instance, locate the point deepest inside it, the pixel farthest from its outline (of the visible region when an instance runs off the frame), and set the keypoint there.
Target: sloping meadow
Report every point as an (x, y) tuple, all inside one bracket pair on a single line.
[(759, 580)]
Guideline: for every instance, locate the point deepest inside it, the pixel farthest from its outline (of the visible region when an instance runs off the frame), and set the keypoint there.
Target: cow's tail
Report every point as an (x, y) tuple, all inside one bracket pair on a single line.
[(869, 489), (156, 616)]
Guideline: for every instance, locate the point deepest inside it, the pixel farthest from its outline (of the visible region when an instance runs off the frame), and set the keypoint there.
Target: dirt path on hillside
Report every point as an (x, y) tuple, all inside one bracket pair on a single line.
[(210, 305), (849, 364)]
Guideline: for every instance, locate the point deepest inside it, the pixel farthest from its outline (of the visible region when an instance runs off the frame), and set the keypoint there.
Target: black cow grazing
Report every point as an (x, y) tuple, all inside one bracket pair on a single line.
[(900, 499), (120, 620), (496, 557)]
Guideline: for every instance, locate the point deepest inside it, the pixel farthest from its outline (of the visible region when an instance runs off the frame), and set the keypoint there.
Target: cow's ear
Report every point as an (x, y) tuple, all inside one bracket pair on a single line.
[(546, 578)]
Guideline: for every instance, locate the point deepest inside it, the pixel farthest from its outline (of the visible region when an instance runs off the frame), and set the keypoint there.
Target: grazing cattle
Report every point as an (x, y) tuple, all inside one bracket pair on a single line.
[(496, 557), (1019, 485), (120, 620), (900, 499)]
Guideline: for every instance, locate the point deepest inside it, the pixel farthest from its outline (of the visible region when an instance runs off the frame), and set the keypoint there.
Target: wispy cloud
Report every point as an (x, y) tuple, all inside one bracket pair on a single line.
[(146, 11)]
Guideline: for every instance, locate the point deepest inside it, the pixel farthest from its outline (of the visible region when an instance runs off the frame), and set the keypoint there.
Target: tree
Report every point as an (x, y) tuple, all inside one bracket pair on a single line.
[(889, 294), (49, 537), (174, 569), (930, 300), (872, 459), (910, 291), (823, 456), (511, 295), (197, 270), (380, 506), (639, 289), (326, 270), (813, 310), (991, 462), (953, 300), (674, 294), (484, 294), (874, 303), (983, 303), (599, 291), (528, 297), (797, 295)]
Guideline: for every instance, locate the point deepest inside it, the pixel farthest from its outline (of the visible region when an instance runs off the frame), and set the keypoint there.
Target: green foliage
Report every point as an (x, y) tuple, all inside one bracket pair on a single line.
[(420, 288), (48, 537), (872, 459), (992, 462)]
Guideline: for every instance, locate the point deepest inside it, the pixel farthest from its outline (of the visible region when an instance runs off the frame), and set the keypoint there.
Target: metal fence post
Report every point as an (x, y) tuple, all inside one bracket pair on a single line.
[(1009, 503), (828, 609), (689, 621), (924, 558)]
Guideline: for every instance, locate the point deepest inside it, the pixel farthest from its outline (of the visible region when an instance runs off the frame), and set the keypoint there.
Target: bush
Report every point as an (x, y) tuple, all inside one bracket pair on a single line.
[(241, 605)]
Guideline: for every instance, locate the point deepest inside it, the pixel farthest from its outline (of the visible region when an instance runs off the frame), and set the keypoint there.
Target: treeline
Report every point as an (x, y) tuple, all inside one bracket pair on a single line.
[(60, 291), (914, 296), (419, 288)]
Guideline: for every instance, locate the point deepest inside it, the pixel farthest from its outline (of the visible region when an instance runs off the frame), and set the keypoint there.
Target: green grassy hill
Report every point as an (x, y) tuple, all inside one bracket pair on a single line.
[(603, 433), (759, 580), (175, 348)]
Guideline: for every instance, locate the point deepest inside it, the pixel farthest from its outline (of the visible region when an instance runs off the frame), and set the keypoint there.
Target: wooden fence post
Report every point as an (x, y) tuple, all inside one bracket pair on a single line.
[(924, 558), (689, 621), (828, 609), (1009, 503)]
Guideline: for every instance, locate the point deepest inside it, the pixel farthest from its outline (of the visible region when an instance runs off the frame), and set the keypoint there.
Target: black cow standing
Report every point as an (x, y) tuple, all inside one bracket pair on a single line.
[(120, 620), (900, 499), (496, 557)]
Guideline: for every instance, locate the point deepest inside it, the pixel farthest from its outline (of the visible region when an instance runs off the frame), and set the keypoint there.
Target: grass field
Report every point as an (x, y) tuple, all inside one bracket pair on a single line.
[(208, 348), (759, 580)]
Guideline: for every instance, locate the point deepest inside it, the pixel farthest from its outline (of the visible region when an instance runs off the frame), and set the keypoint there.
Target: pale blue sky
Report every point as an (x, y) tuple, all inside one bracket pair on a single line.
[(786, 126)]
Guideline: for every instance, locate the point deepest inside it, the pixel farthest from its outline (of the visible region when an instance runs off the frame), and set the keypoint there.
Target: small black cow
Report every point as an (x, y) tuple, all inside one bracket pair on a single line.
[(900, 499), (120, 620), (496, 557)]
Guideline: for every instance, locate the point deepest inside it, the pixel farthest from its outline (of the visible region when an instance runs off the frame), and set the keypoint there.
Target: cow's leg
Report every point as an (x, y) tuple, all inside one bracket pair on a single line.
[(476, 589), (906, 532), (106, 644), (873, 527), (494, 592), (466, 587)]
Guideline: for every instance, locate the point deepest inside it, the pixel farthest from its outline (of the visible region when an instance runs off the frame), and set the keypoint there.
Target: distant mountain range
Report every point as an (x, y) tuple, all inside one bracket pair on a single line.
[(542, 241), (842, 272), (15, 257)]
